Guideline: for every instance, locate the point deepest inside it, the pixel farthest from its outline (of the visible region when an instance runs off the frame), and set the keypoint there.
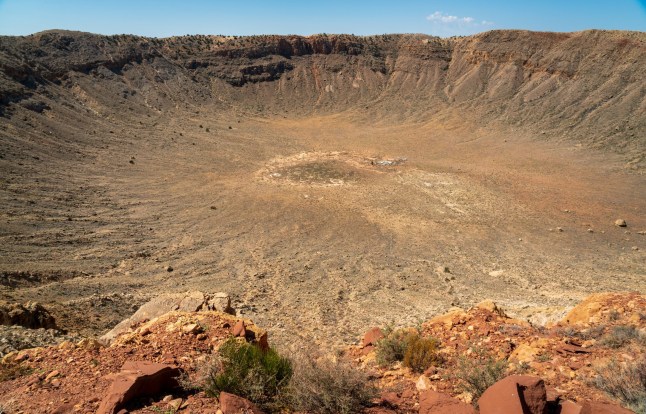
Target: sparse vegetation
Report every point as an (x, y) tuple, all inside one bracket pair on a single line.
[(594, 332), (479, 371), (543, 357), (621, 335), (522, 368), (392, 347), (326, 386), (421, 353), (626, 382), (407, 346), (250, 372), (12, 370)]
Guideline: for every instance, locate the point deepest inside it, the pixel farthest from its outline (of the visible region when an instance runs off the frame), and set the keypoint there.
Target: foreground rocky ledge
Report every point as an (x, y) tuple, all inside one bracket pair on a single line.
[(552, 368)]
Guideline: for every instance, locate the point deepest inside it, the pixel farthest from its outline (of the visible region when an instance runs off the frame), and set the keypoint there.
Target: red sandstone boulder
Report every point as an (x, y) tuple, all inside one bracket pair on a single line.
[(232, 404), (138, 379), (568, 407), (390, 399), (372, 336), (603, 408), (431, 402), (515, 394)]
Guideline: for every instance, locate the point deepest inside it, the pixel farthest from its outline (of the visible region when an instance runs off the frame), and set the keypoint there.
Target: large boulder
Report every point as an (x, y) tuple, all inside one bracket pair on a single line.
[(431, 402), (186, 302), (138, 379), (515, 394), (232, 404)]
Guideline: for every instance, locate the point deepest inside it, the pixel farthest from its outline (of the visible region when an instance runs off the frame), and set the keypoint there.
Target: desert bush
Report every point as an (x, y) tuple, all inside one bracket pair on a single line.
[(392, 347), (415, 352), (248, 371), (479, 371), (12, 370), (421, 353), (621, 335), (325, 386), (625, 382)]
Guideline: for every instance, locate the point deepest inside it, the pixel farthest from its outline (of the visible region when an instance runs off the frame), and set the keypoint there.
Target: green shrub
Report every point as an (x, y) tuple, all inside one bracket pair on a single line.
[(392, 347), (421, 353), (329, 387), (479, 371), (250, 372), (625, 382), (414, 351), (622, 335)]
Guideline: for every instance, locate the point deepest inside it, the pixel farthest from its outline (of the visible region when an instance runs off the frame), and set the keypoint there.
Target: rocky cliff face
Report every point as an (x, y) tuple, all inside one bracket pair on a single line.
[(585, 86)]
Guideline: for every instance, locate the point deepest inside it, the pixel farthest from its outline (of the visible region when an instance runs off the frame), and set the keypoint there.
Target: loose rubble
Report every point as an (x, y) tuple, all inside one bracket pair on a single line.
[(142, 368)]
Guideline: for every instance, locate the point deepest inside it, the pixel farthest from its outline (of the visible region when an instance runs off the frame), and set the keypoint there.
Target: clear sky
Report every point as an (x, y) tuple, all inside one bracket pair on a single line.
[(161, 18)]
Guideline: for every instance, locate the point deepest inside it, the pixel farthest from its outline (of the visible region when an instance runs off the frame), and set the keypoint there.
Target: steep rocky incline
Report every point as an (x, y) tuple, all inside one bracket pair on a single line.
[(586, 86)]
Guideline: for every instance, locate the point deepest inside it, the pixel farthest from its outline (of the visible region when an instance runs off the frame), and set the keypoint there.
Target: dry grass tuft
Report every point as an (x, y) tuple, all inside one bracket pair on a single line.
[(327, 386), (479, 371), (624, 382)]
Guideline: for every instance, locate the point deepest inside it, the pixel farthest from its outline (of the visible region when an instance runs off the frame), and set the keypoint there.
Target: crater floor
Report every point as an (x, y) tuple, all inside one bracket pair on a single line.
[(318, 226)]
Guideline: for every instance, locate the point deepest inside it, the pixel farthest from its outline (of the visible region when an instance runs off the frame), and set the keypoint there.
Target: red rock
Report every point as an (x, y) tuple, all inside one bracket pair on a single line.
[(567, 349), (390, 399), (568, 407), (379, 410), (515, 394), (239, 329), (367, 349), (603, 408), (263, 341), (21, 357), (553, 396), (431, 402), (575, 365), (64, 409), (372, 336), (137, 379), (232, 404), (51, 375), (408, 393)]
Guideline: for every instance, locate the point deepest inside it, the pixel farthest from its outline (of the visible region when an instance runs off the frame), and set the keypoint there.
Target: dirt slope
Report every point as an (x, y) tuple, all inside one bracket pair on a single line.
[(322, 181)]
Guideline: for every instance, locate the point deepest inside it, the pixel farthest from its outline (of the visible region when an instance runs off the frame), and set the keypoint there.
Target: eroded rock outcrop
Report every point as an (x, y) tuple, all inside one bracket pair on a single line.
[(29, 315), (160, 305)]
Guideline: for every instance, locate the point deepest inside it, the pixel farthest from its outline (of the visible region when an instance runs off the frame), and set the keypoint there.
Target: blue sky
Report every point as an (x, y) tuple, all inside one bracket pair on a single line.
[(163, 18)]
